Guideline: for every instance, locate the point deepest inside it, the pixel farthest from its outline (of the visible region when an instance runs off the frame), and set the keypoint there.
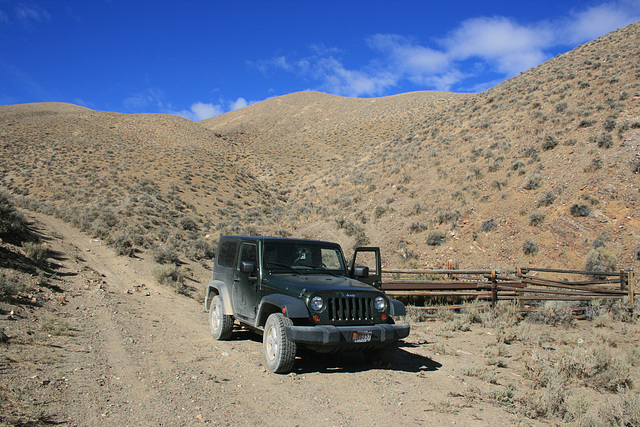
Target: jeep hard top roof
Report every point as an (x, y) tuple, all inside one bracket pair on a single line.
[(273, 239)]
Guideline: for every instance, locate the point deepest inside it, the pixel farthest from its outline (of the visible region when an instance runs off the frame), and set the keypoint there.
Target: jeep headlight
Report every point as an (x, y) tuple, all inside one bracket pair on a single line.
[(317, 303), (380, 303)]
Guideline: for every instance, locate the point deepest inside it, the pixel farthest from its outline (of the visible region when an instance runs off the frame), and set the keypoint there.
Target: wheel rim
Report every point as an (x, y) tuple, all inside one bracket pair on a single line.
[(272, 343), (216, 323)]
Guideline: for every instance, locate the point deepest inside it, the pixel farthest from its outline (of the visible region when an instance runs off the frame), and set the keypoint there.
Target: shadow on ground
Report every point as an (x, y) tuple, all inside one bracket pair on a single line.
[(309, 361)]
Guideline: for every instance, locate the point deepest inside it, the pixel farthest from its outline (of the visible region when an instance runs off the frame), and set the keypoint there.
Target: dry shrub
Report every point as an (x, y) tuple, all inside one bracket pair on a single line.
[(495, 355), (10, 285), (474, 311), (36, 252), (521, 332), (200, 249), (580, 210), (435, 238), (529, 247), (165, 255), (457, 324), (550, 393), (577, 407), (598, 366), (122, 243), (621, 310), (505, 314), (554, 313), (622, 409), (534, 181), (54, 325), (12, 223), (171, 275), (547, 402), (600, 259), (548, 199), (602, 320)]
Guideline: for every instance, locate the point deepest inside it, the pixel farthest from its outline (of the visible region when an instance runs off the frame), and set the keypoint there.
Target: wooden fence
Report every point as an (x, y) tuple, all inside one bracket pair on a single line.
[(527, 284)]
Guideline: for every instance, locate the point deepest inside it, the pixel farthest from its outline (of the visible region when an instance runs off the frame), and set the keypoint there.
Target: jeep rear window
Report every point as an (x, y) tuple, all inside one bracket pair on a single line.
[(227, 253), (303, 257)]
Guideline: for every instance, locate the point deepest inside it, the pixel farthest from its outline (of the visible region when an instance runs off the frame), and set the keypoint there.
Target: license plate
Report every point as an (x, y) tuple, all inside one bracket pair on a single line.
[(361, 336)]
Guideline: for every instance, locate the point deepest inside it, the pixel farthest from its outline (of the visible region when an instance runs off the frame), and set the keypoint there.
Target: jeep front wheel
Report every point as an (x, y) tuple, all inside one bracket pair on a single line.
[(221, 324), (279, 351)]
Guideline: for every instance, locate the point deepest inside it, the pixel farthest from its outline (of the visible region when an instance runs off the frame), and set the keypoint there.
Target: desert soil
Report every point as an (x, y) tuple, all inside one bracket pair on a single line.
[(112, 347)]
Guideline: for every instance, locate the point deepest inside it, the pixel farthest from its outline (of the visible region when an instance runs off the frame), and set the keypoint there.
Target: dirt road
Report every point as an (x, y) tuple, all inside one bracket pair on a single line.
[(114, 348)]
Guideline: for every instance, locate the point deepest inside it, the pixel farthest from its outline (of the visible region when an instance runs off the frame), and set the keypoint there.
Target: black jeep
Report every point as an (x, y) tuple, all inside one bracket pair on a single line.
[(301, 293)]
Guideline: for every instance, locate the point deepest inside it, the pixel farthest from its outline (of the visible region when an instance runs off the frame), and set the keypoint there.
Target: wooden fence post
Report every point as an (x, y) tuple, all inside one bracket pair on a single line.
[(519, 275), (631, 285), (494, 288)]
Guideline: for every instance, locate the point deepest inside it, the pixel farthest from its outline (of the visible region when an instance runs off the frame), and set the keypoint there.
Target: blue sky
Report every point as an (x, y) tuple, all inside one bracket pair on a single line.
[(202, 58)]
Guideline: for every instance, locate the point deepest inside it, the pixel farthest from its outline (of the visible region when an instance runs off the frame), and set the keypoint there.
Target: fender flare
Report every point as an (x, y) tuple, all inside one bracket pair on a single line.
[(217, 287), (291, 307), (396, 308)]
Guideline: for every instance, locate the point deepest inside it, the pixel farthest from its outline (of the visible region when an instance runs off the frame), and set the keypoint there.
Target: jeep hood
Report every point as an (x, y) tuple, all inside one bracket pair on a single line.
[(316, 283)]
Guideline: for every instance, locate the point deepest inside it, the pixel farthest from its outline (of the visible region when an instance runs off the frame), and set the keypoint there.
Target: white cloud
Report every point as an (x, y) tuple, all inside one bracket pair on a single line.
[(333, 77), (407, 57), (503, 44), (442, 82), (153, 99), (341, 81), (476, 46), (199, 111), (238, 104), (203, 111), (599, 20), (279, 62)]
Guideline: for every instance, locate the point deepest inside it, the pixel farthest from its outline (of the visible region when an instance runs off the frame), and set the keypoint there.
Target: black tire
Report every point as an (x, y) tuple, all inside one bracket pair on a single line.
[(279, 351), (221, 324), (384, 357)]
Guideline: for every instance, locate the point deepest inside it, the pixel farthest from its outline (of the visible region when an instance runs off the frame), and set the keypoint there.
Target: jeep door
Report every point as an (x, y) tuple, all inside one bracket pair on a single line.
[(370, 258), (246, 282)]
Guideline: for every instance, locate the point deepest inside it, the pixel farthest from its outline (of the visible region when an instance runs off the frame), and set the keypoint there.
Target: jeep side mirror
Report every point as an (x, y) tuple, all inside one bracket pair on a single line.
[(361, 272), (247, 267)]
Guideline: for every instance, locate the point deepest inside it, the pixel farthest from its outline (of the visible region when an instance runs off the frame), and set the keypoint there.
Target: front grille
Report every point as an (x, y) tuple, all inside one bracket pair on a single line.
[(350, 309)]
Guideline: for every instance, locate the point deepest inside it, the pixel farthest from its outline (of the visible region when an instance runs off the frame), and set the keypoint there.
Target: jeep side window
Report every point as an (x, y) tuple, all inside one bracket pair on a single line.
[(227, 253), (248, 252)]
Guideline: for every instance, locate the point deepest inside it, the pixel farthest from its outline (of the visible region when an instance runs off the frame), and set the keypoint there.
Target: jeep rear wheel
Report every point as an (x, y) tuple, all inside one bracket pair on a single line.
[(221, 324), (279, 351), (384, 357)]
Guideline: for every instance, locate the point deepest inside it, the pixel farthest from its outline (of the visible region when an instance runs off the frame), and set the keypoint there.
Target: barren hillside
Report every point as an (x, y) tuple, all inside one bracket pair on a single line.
[(548, 159), (542, 169), (288, 137)]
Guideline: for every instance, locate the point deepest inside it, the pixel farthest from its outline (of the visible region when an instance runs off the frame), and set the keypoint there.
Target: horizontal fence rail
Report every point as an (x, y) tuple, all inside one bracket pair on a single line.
[(525, 286)]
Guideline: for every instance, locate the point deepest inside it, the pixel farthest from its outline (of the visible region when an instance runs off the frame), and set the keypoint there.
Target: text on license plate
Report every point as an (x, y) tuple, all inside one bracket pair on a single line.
[(361, 336)]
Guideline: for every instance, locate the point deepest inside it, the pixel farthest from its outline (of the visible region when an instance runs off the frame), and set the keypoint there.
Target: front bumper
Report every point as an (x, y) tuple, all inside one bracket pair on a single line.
[(330, 335)]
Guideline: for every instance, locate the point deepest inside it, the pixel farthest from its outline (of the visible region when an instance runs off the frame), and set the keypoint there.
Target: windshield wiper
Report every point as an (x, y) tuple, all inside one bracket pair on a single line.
[(288, 267)]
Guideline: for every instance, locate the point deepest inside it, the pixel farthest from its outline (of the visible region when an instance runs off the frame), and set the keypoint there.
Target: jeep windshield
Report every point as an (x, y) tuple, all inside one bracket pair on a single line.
[(303, 257)]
